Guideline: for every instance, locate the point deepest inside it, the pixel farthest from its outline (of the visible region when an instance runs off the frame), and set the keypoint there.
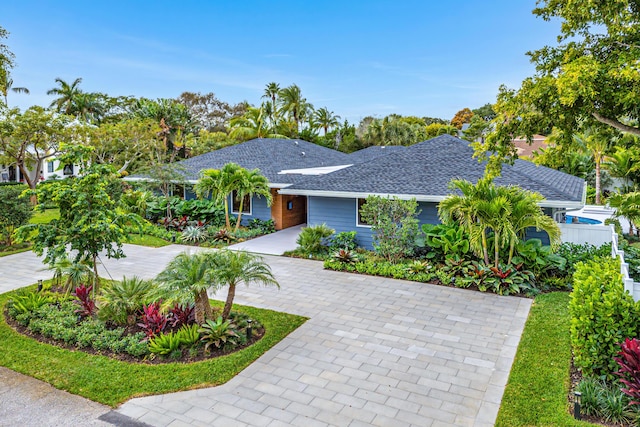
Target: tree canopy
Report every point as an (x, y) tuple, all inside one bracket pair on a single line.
[(590, 78)]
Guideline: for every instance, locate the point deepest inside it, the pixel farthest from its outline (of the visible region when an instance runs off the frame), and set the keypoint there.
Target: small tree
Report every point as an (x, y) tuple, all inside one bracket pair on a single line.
[(394, 225), (89, 222), (189, 277), (251, 183), (233, 268), (16, 211), (219, 183)]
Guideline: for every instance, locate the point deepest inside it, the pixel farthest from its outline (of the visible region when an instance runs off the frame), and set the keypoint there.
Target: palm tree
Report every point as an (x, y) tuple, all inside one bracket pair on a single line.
[(623, 163), (250, 125), (597, 144), (219, 183), (252, 183), (271, 92), (627, 206), (466, 210), (190, 276), (326, 119), (6, 85), (526, 213), (67, 94), (233, 268), (293, 104), (89, 107)]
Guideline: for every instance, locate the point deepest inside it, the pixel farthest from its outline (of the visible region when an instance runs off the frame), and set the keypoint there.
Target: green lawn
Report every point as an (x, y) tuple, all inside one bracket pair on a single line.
[(111, 382), (147, 240), (44, 217), (536, 394), (14, 249)]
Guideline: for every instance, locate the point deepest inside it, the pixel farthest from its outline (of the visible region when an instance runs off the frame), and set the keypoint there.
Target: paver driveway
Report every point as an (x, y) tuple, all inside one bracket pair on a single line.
[(374, 352)]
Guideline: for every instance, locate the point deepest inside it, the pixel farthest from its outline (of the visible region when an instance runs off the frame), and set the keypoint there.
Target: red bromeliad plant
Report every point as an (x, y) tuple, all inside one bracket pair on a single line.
[(153, 320), (629, 372), (182, 315), (87, 305)]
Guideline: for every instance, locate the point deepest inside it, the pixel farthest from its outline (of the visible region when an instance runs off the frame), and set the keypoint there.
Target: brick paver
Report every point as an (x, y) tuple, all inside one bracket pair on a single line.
[(374, 351)]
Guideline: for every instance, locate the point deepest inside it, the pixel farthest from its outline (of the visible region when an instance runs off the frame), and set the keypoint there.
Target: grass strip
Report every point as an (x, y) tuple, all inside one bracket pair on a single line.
[(112, 382), (146, 240), (536, 394)]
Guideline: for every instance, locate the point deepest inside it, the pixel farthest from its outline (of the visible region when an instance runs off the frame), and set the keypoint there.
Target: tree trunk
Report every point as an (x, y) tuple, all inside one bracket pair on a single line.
[(485, 249), (96, 279), (598, 201), (616, 124), (203, 308), (496, 248), (240, 213), (226, 213), (227, 305)]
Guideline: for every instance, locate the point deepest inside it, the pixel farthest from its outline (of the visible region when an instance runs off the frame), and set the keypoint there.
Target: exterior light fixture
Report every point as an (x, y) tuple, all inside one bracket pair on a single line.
[(576, 405), (249, 329), (39, 285)]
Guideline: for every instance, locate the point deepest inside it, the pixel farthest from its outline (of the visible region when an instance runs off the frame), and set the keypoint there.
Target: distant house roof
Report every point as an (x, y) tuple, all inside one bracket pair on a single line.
[(270, 156), (374, 152), (424, 170), (526, 150)]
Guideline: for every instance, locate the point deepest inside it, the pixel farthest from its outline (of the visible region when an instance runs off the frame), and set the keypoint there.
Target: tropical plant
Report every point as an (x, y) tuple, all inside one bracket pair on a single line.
[(84, 300), (194, 234), (627, 206), (67, 95), (120, 302), (597, 143), (219, 183), (325, 119), (345, 255), (232, 268), (251, 183), (218, 333), (629, 362), (153, 320), (263, 226), (189, 335), (312, 240), (163, 344), (291, 103), (187, 278), (506, 212), (28, 301), (182, 315), (223, 235)]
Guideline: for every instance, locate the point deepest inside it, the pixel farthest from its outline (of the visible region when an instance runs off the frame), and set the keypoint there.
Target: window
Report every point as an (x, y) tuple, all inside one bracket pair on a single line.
[(359, 221), (235, 204), (50, 167)]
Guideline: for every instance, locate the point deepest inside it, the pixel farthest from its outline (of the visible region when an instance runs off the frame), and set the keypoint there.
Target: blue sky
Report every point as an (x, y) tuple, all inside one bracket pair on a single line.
[(357, 58)]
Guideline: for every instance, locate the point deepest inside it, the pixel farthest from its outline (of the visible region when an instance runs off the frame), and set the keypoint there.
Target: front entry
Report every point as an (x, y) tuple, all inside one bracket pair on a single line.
[(287, 210)]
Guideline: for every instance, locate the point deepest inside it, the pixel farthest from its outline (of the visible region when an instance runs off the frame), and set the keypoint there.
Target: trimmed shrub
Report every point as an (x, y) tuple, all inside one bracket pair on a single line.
[(16, 211), (602, 316), (313, 240)]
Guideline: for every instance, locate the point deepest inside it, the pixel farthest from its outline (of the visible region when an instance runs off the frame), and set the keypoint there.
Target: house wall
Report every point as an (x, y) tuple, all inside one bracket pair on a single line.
[(259, 210), (340, 214)]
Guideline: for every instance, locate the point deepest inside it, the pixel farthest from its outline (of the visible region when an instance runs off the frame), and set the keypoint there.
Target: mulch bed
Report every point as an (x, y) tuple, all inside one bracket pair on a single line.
[(187, 356)]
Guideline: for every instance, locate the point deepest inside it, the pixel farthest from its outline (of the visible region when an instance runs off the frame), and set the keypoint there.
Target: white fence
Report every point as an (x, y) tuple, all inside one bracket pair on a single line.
[(598, 235)]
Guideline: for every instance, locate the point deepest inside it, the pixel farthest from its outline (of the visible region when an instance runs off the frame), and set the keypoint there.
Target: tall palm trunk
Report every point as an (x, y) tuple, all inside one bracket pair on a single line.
[(496, 248), (485, 247), (229, 302), (240, 214), (226, 212), (598, 161)]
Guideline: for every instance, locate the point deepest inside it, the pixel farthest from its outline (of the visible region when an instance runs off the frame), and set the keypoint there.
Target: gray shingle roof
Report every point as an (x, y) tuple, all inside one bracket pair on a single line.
[(425, 169), (374, 152), (270, 156)]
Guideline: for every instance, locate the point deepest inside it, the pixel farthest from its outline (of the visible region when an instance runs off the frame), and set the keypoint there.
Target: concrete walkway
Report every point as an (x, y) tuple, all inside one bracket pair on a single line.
[(271, 244), (375, 351)]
